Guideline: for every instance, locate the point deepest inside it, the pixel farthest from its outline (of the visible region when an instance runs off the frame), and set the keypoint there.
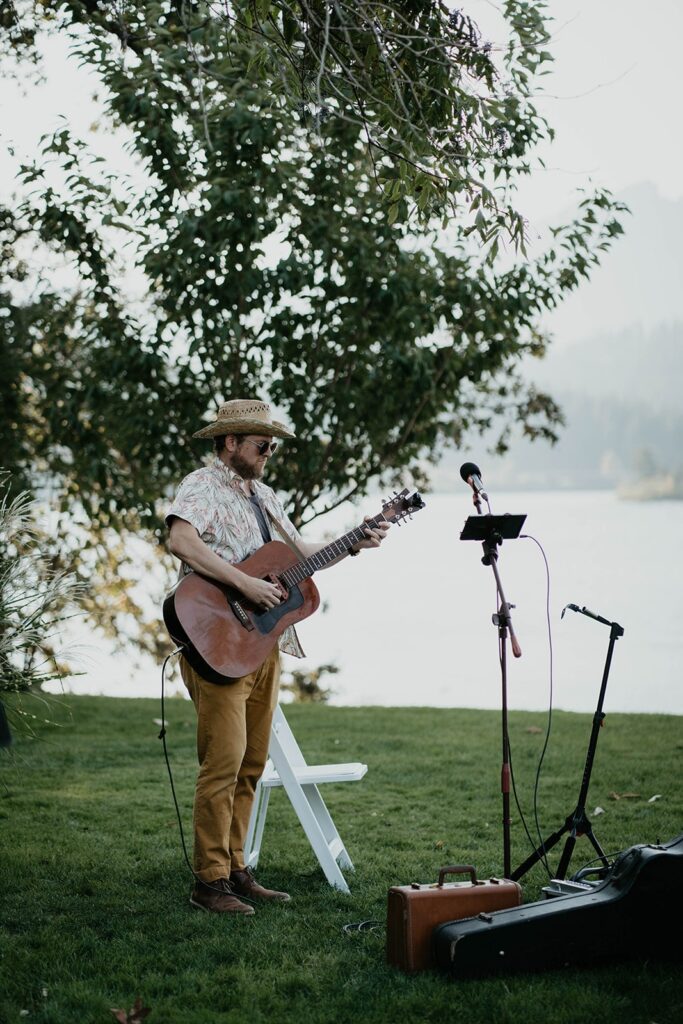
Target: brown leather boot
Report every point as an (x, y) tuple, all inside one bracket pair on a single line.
[(243, 883), (217, 896)]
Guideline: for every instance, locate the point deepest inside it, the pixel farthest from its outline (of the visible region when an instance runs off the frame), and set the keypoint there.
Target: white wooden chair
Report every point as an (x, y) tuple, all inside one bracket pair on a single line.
[(287, 767)]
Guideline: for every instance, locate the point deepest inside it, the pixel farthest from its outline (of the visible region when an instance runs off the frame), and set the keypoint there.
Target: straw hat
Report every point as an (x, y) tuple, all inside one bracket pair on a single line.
[(244, 416)]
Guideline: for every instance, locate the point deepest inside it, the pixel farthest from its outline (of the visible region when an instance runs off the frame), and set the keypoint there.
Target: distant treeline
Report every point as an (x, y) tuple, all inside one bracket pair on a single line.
[(624, 417), (606, 442)]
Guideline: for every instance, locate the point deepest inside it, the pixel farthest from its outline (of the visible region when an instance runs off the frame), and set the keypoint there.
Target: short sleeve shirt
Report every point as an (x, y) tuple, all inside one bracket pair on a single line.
[(212, 500)]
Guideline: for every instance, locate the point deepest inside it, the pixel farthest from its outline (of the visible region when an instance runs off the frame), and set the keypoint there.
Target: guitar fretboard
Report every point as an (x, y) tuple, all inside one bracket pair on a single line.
[(302, 570)]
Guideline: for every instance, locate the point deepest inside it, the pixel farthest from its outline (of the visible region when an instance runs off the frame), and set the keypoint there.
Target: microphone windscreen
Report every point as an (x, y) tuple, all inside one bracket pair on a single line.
[(469, 469)]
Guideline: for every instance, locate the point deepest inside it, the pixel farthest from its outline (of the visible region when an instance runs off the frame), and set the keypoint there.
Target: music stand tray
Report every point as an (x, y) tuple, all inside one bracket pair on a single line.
[(483, 527)]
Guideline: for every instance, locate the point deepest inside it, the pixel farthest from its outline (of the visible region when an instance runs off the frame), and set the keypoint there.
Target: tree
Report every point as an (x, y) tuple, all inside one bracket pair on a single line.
[(298, 163)]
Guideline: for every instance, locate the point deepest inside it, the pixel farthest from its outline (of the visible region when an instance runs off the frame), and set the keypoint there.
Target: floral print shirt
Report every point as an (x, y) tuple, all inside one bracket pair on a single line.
[(212, 500)]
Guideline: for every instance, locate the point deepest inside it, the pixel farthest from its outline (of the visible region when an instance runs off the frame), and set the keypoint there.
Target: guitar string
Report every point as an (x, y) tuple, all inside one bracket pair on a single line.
[(300, 571)]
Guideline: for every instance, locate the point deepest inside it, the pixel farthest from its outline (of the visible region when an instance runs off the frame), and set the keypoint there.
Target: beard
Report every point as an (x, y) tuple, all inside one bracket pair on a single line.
[(245, 469)]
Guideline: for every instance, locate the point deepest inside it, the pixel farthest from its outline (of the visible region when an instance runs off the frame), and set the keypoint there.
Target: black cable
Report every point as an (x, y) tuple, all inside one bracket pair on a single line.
[(587, 870), (544, 856), (162, 737)]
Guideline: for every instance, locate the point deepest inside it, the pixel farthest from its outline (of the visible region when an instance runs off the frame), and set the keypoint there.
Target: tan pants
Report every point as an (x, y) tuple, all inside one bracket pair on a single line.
[(233, 733)]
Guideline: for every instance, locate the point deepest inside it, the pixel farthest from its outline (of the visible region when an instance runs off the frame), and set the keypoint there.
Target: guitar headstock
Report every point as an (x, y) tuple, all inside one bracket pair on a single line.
[(401, 505)]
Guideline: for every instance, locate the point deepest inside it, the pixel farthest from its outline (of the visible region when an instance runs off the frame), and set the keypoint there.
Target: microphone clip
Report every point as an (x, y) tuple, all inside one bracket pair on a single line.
[(471, 475), (616, 628)]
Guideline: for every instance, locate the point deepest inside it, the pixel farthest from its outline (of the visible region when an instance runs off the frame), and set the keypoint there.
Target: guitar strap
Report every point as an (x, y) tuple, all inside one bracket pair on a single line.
[(285, 536)]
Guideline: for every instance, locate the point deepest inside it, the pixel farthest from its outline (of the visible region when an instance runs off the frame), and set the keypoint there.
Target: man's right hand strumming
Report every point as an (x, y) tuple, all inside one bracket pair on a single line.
[(259, 592), (186, 544)]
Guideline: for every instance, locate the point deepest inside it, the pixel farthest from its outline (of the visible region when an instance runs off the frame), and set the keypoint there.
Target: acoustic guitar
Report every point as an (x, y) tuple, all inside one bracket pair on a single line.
[(225, 636)]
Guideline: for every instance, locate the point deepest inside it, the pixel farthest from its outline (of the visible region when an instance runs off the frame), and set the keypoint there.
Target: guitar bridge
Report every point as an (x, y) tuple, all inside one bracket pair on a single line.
[(239, 611)]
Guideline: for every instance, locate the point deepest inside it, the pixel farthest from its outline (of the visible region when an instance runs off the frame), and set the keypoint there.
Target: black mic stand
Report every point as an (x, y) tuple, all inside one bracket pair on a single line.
[(578, 824), (491, 530)]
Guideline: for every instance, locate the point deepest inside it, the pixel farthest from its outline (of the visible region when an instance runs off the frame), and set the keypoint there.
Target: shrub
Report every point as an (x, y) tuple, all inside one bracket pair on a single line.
[(35, 599)]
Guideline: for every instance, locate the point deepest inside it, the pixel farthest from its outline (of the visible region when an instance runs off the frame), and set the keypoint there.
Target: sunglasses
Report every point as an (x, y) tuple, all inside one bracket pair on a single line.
[(264, 447)]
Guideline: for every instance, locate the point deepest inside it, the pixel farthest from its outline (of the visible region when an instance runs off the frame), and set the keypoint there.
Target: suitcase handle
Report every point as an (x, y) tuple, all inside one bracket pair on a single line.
[(458, 869)]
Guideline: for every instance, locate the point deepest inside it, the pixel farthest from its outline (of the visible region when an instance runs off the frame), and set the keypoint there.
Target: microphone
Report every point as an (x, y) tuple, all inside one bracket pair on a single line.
[(471, 474), (589, 613)]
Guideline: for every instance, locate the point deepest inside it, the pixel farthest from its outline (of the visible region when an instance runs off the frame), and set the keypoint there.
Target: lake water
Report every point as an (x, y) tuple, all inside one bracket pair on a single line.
[(411, 624)]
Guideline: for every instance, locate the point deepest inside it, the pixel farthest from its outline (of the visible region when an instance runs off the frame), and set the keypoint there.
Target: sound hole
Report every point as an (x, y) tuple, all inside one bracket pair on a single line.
[(267, 620)]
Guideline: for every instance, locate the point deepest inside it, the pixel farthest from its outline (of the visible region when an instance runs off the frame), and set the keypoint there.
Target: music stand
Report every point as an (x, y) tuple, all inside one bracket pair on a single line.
[(491, 531)]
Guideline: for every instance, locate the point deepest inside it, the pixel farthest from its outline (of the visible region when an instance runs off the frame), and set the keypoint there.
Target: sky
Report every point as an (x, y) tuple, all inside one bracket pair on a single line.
[(614, 98)]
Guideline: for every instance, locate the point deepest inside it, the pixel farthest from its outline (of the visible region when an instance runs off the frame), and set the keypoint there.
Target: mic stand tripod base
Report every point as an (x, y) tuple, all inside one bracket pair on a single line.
[(576, 825)]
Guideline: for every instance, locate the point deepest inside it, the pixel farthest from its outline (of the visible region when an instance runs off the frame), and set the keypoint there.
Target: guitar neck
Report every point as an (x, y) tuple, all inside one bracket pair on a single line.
[(307, 566)]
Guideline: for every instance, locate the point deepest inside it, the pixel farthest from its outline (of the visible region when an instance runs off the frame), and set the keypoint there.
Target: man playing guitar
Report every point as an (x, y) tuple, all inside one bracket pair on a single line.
[(220, 516)]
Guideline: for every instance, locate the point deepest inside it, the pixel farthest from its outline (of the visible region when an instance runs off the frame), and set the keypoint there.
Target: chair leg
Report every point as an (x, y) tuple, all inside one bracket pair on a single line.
[(328, 827), (315, 819), (309, 822), (317, 839), (257, 823)]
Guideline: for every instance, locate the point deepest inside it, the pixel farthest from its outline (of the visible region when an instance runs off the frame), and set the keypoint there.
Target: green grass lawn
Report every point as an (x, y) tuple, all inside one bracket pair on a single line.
[(95, 890)]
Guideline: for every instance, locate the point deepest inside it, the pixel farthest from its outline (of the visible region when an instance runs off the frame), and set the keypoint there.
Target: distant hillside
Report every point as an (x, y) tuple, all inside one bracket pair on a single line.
[(615, 366), (621, 396), (632, 365), (606, 444)]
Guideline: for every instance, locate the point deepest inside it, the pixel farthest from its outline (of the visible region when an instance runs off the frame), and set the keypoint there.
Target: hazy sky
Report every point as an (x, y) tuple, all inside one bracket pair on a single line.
[(614, 97)]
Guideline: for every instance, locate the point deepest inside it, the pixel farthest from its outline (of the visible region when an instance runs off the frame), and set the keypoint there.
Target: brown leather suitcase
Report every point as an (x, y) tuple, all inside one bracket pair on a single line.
[(414, 911)]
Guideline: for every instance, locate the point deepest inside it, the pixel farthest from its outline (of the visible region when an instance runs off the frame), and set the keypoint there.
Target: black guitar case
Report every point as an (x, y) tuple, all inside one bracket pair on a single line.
[(635, 912)]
